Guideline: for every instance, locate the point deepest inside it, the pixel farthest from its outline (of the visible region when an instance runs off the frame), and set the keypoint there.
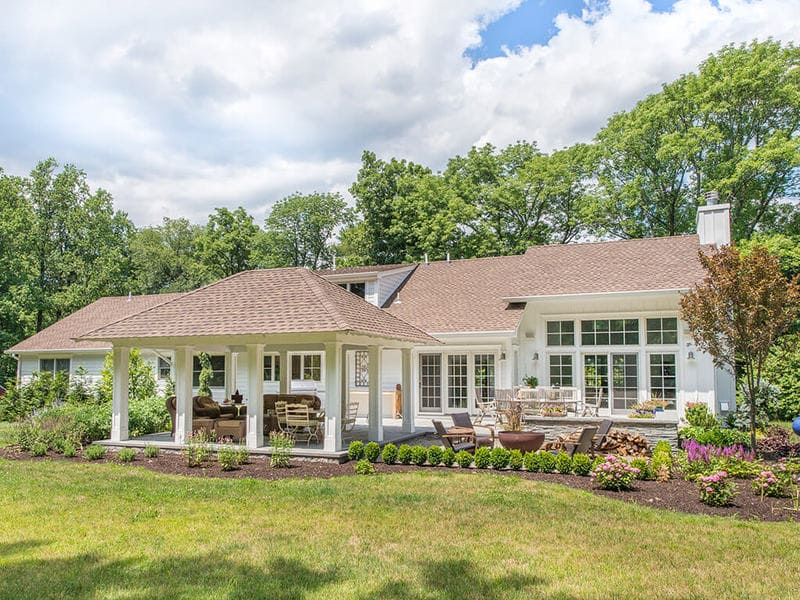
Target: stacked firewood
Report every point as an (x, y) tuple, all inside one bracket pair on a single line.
[(623, 443)]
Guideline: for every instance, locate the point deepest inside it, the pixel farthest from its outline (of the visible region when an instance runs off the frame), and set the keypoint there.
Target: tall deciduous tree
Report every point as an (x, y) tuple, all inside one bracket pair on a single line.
[(738, 311), (300, 228), (165, 258), (229, 244)]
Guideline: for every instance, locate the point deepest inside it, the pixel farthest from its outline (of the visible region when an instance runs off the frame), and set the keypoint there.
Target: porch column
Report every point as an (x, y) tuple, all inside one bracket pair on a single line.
[(119, 403), (285, 383), (333, 401), (255, 391), (230, 376), (408, 397), (183, 393), (375, 416)]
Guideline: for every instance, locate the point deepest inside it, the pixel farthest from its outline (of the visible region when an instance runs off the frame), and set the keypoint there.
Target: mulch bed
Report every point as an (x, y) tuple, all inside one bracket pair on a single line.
[(677, 494)]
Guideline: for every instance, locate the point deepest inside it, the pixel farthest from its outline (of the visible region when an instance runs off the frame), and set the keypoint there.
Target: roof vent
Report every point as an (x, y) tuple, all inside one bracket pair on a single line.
[(334, 261), (712, 198), (426, 258), (448, 257), (130, 294), (397, 299)]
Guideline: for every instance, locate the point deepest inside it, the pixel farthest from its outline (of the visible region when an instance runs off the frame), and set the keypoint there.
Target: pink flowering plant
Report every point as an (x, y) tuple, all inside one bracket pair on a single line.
[(716, 489), (770, 483), (614, 474)]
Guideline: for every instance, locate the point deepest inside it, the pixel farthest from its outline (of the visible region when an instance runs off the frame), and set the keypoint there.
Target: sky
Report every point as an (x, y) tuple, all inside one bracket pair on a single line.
[(179, 107)]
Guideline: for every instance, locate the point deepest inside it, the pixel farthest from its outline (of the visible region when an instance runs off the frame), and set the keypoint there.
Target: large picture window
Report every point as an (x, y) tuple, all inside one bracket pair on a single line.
[(217, 366), (561, 370), (54, 365), (561, 333), (663, 378), (272, 367), (662, 330), (362, 368), (610, 332), (307, 367)]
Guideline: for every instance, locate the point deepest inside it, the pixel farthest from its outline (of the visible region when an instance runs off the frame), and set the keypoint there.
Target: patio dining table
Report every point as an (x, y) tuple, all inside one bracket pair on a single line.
[(535, 399)]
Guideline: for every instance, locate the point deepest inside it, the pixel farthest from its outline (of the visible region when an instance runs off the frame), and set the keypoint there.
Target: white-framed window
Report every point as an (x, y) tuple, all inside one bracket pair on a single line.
[(272, 367), (664, 378), (561, 370), (662, 330), (164, 369), (561, 333), (54, 365), (610, 332), (361, 368), (307, 367), (485, 376), (217, 366), (359, 288), (457, 386)]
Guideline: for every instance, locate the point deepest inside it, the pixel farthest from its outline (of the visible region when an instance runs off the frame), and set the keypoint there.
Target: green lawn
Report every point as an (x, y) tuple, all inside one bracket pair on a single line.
[(109, 531), (5, 433)]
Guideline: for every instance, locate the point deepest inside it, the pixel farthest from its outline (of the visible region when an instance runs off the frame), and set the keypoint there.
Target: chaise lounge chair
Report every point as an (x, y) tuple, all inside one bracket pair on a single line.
[(482, 438), (455, 441)]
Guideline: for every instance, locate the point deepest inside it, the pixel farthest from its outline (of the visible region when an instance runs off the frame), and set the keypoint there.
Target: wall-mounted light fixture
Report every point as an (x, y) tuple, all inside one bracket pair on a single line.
[(690, 355), (535, 356), (502, 356)]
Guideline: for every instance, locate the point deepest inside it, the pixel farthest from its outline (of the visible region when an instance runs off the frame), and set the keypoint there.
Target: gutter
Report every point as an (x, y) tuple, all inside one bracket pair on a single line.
[(515, 299)]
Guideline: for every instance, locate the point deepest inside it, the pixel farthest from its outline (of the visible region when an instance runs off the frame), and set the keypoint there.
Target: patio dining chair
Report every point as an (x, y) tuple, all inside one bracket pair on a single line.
[(592, 401), (486, 409), (451, 440), (280, 414), (349, 420), (301, 423), (463, 419)]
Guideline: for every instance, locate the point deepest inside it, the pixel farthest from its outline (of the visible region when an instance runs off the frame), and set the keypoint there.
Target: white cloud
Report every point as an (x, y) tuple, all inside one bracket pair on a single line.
[(180, 107)]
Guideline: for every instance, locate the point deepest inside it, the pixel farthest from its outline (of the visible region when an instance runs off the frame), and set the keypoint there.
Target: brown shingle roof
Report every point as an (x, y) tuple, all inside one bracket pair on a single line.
[(262, 302), (59, 336), (467, 295)]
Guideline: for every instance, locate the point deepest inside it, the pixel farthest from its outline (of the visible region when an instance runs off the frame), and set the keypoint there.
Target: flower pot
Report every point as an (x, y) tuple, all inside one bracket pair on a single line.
[(796, 425), (524, 441)]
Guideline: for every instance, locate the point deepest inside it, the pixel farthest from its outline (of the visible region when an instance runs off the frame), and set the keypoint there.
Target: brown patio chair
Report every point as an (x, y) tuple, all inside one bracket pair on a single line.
[(584, 443), (463, 420), (601, 435), (455, 441)]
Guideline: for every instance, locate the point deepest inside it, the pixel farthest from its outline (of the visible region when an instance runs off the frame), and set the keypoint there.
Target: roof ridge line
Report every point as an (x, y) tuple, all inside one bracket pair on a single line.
[(322, 298)]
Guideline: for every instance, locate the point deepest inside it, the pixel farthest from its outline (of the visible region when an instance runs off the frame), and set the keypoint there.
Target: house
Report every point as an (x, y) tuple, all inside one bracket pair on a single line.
[(600, 317)]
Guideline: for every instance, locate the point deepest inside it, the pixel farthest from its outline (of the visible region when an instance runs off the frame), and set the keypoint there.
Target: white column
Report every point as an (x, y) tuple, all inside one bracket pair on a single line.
[(228, 372), (408, 396), (375, 416), (119, 403), (333, 401), (255, 393), (284, 386), (183, 393)]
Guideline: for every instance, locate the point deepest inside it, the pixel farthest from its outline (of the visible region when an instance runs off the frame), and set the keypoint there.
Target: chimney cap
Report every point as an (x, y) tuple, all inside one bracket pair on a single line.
[(712, 197)]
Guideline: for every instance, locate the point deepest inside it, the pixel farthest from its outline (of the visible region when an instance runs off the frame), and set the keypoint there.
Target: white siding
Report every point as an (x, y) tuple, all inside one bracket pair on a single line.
[(388, 284)]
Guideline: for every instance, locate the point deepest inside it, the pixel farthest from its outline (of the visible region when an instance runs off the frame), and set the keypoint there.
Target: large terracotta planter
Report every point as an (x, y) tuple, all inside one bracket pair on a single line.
[(524, 441)]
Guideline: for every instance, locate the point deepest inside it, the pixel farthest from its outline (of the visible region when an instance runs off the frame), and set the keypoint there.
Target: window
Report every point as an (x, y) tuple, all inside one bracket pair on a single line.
[(362, 368), (605, 332), (164, 369), (272, 367), (560, 333), (54, 365), (663, 378), (307, 367), (359, 288), (561, 370), (457, 381), (595, 376), (624, 380), (484, 376), (218, 368), (430, 381), (662, 331)]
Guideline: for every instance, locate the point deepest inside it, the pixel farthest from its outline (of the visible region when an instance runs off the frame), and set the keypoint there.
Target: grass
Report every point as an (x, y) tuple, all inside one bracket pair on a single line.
[(110, 531), (5, 433)]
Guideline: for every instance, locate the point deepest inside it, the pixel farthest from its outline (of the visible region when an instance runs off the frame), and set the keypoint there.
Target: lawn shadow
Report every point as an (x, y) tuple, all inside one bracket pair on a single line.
[(9, 548)]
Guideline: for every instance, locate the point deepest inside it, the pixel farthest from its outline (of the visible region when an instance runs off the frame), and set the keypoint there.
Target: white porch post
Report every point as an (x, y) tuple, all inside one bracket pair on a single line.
[(375, 416), (183, 393), (255, 391), (333, 401), (284, 385), (119, 403), (230, 376), (408, 397)]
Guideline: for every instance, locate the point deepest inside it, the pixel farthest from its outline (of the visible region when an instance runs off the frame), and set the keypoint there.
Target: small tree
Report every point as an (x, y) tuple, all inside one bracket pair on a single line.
[(738, 312), (141, 378), (205, 376)]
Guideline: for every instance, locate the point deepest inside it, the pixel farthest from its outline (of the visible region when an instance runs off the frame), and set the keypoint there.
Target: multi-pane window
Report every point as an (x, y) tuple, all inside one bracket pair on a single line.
[(484, 376), (359, 288), (561, 333), (430, 381), (164, 370), (272, 367), (614, 332), (595, 377), (457, 380), (307, 367), (663, 378), (362, 368), (217, 368), (561, 370), (54, 365), (625, 380), (662, 330)]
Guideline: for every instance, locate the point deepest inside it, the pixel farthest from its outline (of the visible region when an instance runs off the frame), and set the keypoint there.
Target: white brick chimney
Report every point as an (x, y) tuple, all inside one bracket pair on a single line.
[(714, 221)]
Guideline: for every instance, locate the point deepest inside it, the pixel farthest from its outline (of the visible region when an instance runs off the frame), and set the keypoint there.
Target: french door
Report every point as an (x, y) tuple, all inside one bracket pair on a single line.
[(448, 382), (612, 378), (430, 382)]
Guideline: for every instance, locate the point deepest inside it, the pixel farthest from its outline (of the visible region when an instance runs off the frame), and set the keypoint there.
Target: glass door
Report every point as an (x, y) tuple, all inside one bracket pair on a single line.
[(624, 381), (595, 379), (430, 382), (484, 377), (457, 382)]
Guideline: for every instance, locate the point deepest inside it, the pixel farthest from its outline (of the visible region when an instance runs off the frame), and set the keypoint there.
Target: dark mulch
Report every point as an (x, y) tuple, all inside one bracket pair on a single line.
[(677, 494)]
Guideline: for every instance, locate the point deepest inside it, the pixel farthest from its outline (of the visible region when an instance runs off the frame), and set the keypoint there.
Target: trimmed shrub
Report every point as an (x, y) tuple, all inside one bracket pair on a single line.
[(563, 463), (228, 459), (529, 461), (499, 458), (464, 459), (38, 449), (448, 457), (645, 471), (483, 458), (515, 460), (372, 451), (698, 415), (404, 454), (545, 461), (662, 446), (282, 444), (364, 467), (126, 455), (389, 454), (419, 455), (94, 452), (598, 460), (151, 452), (581, 464), (69, 450), (435, 455), (356, 450)]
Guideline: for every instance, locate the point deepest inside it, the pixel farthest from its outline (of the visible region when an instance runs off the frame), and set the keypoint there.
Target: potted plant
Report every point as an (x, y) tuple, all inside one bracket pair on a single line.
[(513, 437), (553, 410), (643, 410), (530, 381)]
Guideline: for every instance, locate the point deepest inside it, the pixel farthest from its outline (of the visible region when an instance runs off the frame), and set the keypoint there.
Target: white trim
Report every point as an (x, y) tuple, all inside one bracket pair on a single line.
[(518, 299)]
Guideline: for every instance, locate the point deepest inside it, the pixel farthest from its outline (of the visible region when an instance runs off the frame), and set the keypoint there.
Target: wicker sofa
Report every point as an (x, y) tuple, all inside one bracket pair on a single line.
[(205, 413)]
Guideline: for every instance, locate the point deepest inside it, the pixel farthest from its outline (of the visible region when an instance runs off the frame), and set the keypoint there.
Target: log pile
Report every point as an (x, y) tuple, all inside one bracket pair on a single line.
[(623, 443)]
